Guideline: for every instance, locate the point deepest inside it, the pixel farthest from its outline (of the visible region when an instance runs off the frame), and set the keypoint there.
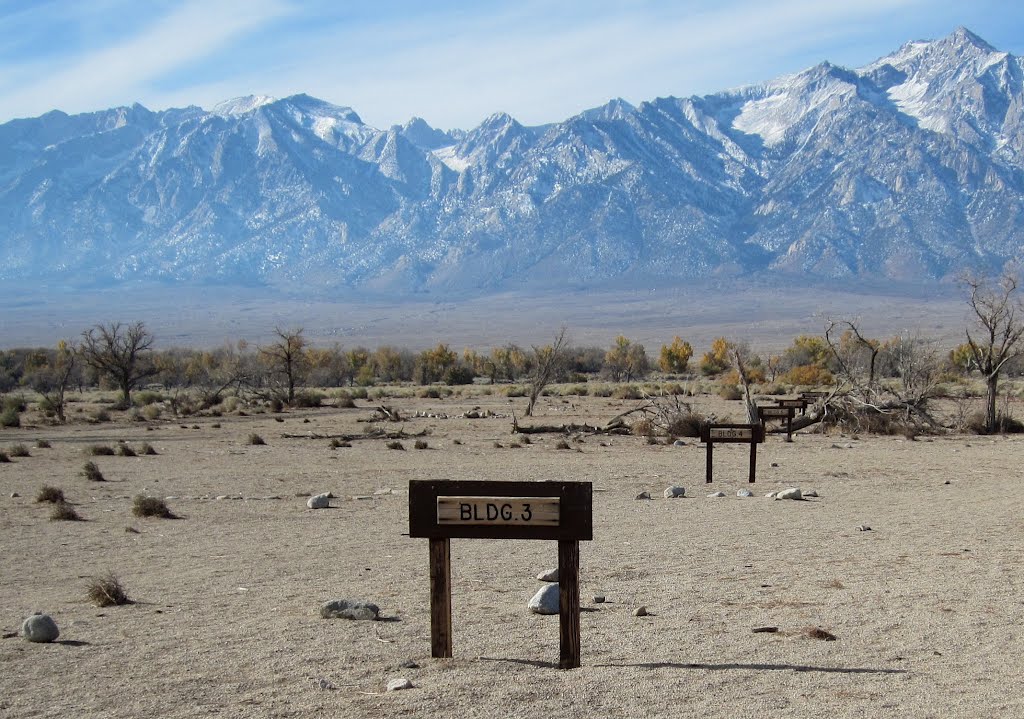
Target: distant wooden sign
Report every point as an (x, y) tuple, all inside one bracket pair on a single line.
[(441, 510), (784, 413), (712, 434), (794, 403)]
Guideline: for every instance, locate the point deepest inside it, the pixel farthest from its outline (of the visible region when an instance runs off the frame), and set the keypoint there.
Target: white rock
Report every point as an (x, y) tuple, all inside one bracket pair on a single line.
[(674, 492), (640, 611), (548, 575), (717, 494), (791, 493), (679, 443), (546, 600), (398, 684), (744, 493), (771, 495), (811, 493), (319, 501), (40, 628)]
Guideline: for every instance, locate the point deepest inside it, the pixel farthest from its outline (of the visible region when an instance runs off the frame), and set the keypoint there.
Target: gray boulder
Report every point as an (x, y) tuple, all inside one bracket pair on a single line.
[(674, 492), (545, 601), (744, 493), (40, 628), (349, 609), (549, 575), (791, 493), (319, 501), (396, 685)]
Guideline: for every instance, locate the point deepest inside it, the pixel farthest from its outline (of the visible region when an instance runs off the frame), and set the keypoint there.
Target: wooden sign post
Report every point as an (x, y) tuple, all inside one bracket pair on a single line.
[(440, 510), (785, 413), (751, 434), (800, 404)]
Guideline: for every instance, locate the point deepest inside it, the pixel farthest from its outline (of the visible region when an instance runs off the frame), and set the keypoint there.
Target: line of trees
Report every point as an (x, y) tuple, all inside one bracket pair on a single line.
[(903, 369)]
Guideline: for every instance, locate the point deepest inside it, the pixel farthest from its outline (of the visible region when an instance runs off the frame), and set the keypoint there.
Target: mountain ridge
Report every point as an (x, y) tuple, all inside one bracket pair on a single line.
[(909, 168)]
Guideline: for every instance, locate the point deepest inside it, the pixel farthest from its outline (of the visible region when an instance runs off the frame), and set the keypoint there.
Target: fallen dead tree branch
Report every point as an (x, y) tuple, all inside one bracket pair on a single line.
[(615, 426), (375, 433)]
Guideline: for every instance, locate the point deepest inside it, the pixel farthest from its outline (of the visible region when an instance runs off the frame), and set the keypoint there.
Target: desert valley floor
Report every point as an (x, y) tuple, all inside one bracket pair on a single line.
[(927, 607)]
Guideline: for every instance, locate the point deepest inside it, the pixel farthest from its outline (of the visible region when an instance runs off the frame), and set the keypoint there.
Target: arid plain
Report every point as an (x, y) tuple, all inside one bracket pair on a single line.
[(927, 606)]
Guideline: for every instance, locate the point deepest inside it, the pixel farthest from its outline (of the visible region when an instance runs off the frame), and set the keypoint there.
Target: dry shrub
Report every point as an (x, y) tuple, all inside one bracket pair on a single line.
[(818, 633), (91, 472), (50, 494), (730, 392), (562, 444), (345, 402), (336, 443), (99, 450), (651, 439), (151, 412), (124, 450), (107, 591), (525, 439), (396, 445), (686, 424), (43, 444), (147, 448), (255, 439), (64, 512), (3, 457), (643, 427), (456, 442), (515, 445), (19, 450), (627, 392), (151, 507), (421, 444)]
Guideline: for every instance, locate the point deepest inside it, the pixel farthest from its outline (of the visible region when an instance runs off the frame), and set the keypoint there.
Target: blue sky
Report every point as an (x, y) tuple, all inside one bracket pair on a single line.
[(452, 63)]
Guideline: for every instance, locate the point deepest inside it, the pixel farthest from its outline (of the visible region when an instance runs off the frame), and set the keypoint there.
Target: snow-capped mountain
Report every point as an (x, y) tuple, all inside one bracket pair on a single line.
[(911, 167)]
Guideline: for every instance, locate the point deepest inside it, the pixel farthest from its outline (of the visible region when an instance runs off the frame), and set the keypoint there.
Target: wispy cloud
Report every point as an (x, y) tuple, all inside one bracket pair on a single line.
[(127, 67), (448, 61)]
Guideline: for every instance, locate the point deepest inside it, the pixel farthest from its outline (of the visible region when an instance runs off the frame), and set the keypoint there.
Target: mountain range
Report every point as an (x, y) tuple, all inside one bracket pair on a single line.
[(910, 168)]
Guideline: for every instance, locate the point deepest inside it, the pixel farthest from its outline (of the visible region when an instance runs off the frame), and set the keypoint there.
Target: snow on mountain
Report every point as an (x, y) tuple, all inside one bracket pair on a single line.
[(911, 167)]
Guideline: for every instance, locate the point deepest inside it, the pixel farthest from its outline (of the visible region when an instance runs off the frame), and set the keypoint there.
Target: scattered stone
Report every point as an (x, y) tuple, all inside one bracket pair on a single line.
[(643, 495), (409, 664), (640, 611), (221, 496), (717, 494), (545, 601), (674, 492), (319, 501), (791, 493), (771, 495), (836, 446), (863, 528), (774, 464), (811, 493), (765, 630), (848, 446), (548, 575), (946, 482), (599, 599), (744, 493), (679, 443), (15, 494), (399, 684), (40, 628), (349, 609), (324, 684)]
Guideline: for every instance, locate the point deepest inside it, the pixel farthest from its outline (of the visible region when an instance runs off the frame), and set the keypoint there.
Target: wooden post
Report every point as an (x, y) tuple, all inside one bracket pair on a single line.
[(710, 464), (569, 603), (789, 426), (753, 461), (440, 598)]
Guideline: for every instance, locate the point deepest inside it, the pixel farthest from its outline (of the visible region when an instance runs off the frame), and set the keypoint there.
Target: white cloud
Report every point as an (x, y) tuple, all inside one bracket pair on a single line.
[(125, 70)]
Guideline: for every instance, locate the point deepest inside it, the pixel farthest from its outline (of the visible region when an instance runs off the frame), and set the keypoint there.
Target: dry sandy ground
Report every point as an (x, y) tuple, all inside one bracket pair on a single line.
[(927, 608)]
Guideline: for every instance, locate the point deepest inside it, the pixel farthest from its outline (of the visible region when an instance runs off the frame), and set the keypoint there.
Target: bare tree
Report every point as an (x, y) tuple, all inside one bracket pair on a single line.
[(52, 380), (287, 359), (121, 352), (547, 360), (997, 308)]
